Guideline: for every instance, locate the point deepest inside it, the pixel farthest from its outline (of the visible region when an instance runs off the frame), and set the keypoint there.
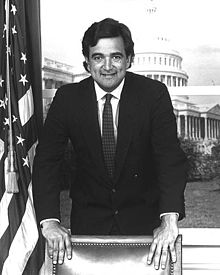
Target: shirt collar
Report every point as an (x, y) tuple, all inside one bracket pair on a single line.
[(100, 93)]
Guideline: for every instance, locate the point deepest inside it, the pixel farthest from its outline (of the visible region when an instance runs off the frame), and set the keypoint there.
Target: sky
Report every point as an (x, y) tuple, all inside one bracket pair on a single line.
[(190, 25)]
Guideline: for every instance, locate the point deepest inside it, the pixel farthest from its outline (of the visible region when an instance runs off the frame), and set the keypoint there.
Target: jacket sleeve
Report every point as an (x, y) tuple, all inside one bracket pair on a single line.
[(170, 161), (49, 156)]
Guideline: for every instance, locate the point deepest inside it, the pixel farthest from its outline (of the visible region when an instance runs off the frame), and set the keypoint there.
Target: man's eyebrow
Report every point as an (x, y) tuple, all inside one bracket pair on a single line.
[(95, 54), (111, 54), (117, 53)]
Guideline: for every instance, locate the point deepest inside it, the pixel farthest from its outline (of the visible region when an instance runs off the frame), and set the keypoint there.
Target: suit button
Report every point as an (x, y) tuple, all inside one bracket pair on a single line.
[(116, 212), (113, 190)]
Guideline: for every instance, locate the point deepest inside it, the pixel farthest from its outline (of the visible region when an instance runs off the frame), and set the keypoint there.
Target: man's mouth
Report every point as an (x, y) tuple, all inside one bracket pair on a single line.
[(108, 75)]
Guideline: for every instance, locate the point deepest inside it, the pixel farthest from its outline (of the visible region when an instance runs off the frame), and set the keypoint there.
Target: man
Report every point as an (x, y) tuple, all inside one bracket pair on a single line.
[(132, 186)]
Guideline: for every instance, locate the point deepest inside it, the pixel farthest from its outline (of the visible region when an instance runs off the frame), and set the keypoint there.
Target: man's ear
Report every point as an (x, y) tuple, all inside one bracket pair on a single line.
[(128, 61), (87, 63)]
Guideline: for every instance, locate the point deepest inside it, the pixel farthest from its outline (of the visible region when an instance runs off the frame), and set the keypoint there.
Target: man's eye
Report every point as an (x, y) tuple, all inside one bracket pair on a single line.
[(97, 58), (117, 58)]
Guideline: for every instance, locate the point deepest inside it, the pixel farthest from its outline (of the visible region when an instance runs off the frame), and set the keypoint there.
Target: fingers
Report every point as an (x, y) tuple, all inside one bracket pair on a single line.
[(164, 256), (58, 248), (160, 252), (50, 248), (157, 256), (61, 253), (151, 252), (173, 252), (68, 247), (55, 251), (59, 243)]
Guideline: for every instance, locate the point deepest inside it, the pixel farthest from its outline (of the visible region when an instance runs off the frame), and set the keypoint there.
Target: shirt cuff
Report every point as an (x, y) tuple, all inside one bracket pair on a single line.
[(47, 220), (163, 214)]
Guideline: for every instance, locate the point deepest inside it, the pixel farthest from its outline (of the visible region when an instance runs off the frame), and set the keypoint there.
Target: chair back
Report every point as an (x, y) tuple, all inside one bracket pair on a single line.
[(118, 255)]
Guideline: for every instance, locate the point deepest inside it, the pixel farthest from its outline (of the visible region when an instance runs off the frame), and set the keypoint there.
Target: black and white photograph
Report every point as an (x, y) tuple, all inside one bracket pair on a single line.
[(109, 137)]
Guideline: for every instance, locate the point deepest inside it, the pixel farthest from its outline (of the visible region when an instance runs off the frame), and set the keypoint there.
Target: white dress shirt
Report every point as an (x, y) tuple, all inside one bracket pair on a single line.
[(116, 95)]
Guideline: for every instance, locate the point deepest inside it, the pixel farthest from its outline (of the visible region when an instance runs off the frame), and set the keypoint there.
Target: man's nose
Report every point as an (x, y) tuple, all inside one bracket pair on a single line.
[(107, 63)]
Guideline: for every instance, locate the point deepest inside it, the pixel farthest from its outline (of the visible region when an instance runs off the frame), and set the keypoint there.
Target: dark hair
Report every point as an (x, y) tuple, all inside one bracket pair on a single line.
[(107, 28)]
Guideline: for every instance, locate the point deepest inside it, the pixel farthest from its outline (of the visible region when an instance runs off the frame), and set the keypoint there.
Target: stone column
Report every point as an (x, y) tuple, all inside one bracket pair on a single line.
[(43, 84), (196, 122), (212, 128), (199, 128), (186, 126), (216, 128), (205, 128), (189, 127), (192, 127), (209, 128), (178, 125), (196, 128), (165, 80)]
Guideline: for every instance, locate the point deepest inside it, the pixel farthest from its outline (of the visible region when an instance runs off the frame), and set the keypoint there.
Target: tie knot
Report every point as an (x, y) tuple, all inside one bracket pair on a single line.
[(108, 97)]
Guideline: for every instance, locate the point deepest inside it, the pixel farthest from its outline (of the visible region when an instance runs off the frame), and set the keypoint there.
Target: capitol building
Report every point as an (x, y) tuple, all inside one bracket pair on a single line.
[(158, 59), (161, 63)]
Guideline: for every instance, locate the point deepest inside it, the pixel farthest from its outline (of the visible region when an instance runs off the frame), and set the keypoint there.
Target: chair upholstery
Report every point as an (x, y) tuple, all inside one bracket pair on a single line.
[(118, 255)]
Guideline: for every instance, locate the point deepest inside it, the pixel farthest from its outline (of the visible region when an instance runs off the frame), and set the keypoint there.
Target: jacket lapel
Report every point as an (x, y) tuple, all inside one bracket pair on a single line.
[(127, 116), (90, 123)]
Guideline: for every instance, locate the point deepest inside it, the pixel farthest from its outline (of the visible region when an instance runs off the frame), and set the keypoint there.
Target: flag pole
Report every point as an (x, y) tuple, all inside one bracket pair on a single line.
[(12, 184)]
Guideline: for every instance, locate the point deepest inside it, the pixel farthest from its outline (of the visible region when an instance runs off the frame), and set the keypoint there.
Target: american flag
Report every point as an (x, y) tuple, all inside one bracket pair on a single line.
[(20, 241)]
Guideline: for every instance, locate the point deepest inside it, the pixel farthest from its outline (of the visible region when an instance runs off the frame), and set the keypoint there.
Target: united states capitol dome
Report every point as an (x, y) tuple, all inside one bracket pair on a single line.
[(155, 56)]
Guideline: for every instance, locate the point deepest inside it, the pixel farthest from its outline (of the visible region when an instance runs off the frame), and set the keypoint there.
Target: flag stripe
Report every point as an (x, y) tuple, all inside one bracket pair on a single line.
[(2, 177), (4, 204), (4, 243), (29, 130), (15, 206), (31, 154), (32, 260), (25, 105), (2, 144), (29, 229)]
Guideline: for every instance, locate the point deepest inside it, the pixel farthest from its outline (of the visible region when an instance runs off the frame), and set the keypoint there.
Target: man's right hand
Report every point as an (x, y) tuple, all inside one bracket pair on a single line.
[(58, 241)]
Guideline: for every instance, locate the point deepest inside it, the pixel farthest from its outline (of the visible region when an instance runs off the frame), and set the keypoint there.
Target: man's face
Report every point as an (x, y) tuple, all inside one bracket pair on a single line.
[(108, 63)]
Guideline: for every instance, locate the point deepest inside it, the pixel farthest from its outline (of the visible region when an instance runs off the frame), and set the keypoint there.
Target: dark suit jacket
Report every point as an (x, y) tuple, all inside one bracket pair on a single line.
[(150, 173)]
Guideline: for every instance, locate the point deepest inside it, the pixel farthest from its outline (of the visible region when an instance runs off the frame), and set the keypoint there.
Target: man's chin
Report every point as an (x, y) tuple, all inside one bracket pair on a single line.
[(108, 85)]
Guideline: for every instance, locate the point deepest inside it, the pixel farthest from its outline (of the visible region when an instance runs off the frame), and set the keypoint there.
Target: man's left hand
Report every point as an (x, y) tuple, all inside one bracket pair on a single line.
[(164, 238)]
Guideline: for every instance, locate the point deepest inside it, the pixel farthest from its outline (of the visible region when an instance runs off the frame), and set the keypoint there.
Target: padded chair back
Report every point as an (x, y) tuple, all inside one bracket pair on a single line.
[(113, 255)]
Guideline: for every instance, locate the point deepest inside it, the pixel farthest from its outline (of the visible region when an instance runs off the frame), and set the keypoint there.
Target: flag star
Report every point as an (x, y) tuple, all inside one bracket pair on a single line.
[(13, 9), (1, 80), (6, 122), (14, 30), (23, 79), (23, 57), (25, 162), (6, 100), (14, 118), (20, 140), (2, 104)]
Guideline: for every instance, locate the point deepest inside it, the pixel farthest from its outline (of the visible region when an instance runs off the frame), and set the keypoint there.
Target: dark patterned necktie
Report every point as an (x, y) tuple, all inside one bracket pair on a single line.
[(108, 139)]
